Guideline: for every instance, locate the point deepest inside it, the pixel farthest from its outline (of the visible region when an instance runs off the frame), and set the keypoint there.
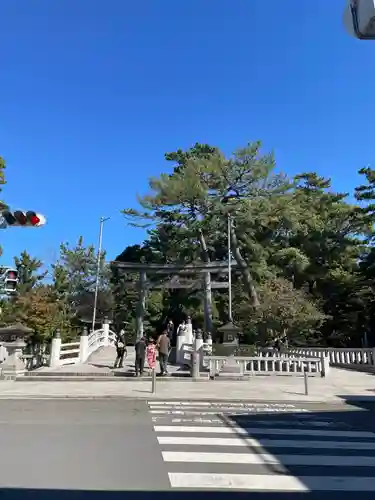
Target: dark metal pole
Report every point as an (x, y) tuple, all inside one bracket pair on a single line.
[(97, 281)]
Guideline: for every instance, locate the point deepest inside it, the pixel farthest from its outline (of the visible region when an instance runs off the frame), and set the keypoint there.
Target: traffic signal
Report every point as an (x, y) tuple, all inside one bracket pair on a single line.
[(23, 219), (9, 280)]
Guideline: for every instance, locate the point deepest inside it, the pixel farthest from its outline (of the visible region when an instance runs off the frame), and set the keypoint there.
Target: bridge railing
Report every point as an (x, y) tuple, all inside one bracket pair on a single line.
[(79, 352)]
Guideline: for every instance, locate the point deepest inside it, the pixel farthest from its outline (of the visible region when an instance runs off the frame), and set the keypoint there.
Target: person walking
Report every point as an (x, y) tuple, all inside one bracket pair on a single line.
[(151, 354), (140, 354), (163, 346), (120, 350), (170, 330)]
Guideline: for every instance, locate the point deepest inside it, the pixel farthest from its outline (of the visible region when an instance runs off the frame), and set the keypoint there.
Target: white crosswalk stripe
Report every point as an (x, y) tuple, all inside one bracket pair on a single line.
[(237, 446)]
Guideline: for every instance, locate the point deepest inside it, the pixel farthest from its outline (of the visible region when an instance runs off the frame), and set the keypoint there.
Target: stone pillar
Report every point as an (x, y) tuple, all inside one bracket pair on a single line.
[(180, 343), (54, 359), (325, 364), (189, 332), (3, 353), (105, 328), (198, 346), (84, 346), (209, 342), (13, 365)]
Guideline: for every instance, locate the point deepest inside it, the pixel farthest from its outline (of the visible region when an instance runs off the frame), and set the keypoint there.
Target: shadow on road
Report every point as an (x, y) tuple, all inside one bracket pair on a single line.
[(40, 494), (318, 448)]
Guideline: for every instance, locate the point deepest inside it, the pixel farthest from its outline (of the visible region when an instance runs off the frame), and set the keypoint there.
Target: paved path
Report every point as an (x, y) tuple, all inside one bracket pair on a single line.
[(102, 361), (279, 448)]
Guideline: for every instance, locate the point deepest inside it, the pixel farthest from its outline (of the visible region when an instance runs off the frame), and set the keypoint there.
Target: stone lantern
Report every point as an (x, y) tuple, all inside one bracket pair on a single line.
[(13, 339), (230, 333), (229, 346)]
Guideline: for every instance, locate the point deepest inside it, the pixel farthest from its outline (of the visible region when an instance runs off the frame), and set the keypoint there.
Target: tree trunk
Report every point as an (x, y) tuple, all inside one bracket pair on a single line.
[(207, 286), (248, 280)]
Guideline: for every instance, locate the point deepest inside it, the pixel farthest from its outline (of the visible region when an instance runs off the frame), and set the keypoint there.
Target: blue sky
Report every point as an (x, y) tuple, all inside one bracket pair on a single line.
[(93, 92)]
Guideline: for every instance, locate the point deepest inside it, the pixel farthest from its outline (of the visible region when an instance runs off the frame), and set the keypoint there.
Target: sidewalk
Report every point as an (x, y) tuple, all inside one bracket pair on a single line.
[(273, 388)]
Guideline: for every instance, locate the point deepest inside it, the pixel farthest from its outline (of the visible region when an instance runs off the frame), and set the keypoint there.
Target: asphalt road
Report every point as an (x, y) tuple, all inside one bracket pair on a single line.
[(132, 449), (79, 445)]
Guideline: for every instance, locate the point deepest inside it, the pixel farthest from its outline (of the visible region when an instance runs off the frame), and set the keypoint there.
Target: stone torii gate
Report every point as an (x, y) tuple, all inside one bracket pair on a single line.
[(183, 277)]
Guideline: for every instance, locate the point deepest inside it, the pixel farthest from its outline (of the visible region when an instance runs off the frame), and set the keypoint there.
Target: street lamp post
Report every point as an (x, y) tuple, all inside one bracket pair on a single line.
[(229, 268), (102, 220)]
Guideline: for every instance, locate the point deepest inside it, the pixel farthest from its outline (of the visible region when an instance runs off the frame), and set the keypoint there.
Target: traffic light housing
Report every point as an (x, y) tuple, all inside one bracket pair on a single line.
[(23, 219), (9, 280)]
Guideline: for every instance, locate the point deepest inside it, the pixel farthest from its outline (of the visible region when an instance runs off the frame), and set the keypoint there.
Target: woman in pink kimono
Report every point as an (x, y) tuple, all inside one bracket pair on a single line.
[(151, 353)]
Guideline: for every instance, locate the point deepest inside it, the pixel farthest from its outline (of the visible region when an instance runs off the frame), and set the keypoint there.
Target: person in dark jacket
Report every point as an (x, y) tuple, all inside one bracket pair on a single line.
[(140, 355), (163, 346), (120, 350), (170, 330)]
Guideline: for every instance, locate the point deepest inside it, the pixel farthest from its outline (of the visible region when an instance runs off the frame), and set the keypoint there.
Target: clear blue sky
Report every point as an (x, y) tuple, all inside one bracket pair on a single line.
[(93, 92)]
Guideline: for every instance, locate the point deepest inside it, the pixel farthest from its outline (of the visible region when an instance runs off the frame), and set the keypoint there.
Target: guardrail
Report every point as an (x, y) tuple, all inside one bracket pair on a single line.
[(254, 365)]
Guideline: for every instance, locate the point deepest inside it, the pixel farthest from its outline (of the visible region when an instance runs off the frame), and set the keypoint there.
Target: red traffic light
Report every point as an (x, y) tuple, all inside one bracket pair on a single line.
[(11, 275), (21, 218), (33, 218)]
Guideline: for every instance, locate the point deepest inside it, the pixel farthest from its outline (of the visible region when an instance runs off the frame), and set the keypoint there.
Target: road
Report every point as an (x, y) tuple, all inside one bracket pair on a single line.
[(105, 448)]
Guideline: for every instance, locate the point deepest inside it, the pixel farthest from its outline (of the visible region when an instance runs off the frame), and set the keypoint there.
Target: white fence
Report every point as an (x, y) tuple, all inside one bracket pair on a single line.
[(315, 360), (336, 356), (267, 365)]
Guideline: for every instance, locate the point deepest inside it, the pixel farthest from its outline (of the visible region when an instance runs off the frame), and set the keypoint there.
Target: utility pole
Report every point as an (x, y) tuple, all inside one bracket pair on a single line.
[(102, 221), (230, 268)]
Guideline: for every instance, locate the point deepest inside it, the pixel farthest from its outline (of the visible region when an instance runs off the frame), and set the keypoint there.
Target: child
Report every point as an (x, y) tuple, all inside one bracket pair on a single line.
[(151, 353)]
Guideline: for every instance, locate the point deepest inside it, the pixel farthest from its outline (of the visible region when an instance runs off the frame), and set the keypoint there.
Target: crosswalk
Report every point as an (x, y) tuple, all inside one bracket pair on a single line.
[(261, 448)]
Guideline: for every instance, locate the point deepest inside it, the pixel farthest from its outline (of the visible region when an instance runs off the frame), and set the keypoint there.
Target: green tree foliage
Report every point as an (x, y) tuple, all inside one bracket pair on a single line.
[(74, 279), (305, 255), (29, 272), (301, 249)]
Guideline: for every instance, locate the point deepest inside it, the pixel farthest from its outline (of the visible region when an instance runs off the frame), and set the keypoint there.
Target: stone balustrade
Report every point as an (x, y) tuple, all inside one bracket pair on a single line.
[(254, 365), (336, 356)]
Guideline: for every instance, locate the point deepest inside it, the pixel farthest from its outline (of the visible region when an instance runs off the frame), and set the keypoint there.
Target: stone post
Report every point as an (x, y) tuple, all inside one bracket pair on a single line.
[(209, 342), (105, 328), (198, 347), (84, 346), (189, 332), (180, 343), (3, 353), (54, 359), (324, 362)]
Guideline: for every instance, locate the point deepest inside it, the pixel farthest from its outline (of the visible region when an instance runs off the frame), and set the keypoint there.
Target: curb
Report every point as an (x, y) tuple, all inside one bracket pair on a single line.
[(150, 397)]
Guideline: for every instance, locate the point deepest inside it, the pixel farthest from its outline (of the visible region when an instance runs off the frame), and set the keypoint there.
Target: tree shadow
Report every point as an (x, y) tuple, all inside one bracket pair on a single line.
[(318, 450)]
